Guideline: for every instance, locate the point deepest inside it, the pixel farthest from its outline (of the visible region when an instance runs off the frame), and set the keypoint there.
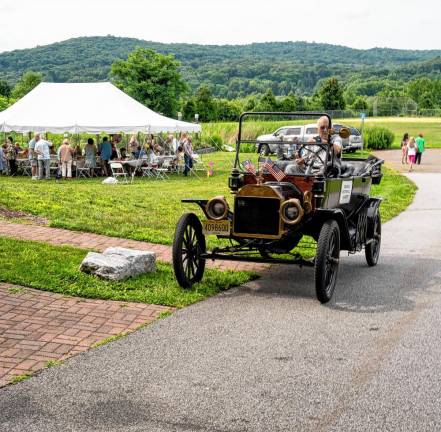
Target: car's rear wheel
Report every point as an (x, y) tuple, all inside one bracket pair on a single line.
[(372, 249), (188, 245), (327, 261)]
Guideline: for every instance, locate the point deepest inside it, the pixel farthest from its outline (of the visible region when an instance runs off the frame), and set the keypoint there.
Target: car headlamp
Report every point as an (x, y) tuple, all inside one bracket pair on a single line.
[(217, 208), (291, 211)]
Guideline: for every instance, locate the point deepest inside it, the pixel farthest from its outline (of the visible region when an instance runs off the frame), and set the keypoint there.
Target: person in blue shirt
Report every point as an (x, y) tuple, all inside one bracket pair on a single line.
[(105, 152)]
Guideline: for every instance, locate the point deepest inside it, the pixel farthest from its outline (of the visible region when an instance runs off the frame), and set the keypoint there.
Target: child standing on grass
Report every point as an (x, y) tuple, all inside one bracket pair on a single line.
[(411, 152)]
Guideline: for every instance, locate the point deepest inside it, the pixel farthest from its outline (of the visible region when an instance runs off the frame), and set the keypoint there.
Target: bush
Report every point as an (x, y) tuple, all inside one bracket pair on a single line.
[(378, 138), (212, 140)]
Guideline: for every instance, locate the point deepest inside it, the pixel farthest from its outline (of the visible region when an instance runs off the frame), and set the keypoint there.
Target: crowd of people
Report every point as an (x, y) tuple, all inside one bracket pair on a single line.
[(412, 150), (40, 154)]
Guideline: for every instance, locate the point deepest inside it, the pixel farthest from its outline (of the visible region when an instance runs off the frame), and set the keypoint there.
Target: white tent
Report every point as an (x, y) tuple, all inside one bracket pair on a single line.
[(85, 107)]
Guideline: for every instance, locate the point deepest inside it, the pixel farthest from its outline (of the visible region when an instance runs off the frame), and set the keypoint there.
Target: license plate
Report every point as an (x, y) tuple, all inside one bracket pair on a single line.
[(212, 227)]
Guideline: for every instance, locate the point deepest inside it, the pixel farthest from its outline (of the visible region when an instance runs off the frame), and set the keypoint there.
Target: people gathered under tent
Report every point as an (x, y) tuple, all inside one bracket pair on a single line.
[(68, 158)]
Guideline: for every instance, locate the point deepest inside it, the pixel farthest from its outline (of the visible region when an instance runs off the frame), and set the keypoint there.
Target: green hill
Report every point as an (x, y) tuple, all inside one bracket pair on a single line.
[(231, 70)]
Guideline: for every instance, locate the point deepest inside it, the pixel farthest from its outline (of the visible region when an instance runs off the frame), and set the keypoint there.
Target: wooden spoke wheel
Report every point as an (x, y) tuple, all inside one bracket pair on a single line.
[(372, 249), (188, 245), (327, 260)]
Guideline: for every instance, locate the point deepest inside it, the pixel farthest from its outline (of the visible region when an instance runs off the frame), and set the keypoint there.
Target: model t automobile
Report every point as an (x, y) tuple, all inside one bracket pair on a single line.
[(275, 206)]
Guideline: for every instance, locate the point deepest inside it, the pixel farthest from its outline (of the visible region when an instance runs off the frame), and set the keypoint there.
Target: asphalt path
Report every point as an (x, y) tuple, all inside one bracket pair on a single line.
[(268, 356)]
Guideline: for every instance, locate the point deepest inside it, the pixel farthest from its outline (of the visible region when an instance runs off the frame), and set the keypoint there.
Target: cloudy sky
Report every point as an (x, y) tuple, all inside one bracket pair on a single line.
[(408, 24)]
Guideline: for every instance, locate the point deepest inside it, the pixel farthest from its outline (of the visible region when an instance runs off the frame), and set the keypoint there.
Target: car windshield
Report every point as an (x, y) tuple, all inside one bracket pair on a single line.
[(311, 131), (355, 132)]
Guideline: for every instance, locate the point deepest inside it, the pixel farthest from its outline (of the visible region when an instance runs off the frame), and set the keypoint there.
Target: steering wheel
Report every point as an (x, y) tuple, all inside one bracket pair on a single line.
[(315, 154)]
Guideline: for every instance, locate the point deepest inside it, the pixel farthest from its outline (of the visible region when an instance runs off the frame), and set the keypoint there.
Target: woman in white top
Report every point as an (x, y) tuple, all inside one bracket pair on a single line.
[(411, 152)]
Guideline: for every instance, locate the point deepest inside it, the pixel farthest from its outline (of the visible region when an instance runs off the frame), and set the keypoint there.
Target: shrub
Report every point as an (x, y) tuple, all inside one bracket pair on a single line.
[(213, 140), (378, 138)]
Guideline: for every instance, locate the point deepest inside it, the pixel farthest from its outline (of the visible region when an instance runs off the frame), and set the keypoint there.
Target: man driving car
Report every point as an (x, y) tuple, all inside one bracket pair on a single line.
[(313, 157)]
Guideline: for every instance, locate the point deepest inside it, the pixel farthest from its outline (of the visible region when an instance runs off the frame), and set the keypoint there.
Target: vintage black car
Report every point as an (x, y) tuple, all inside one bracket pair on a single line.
[(271, 214)]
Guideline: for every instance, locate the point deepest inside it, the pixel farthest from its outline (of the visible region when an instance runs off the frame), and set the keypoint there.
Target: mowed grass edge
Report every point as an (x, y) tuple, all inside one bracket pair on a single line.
[(55, 268), (148, 209)]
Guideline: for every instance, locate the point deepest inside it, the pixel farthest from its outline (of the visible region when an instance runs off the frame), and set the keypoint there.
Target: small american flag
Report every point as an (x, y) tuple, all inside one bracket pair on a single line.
[(249, 167), (274, 170)]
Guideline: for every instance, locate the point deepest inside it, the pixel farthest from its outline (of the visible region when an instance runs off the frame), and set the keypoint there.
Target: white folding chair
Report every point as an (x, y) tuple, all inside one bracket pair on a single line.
[(118, 171), (161, 172), (198, 164), (26, 167), (83, 168), (147, 171)]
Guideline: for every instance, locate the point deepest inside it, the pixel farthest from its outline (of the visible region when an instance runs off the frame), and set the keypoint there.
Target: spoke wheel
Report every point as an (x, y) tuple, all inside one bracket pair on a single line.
[(327, 261), (188, 245), (372, 249)]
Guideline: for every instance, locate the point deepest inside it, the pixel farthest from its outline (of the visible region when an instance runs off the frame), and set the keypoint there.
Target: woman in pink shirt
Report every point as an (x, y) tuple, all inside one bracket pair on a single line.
[(65, 154)]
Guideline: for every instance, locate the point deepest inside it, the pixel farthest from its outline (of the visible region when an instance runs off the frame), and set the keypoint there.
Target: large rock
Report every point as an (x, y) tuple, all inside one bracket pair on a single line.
[(117, 263), (142, 261)]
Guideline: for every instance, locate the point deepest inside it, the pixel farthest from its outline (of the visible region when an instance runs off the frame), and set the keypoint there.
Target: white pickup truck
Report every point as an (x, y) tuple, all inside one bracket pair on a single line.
[(266, 144)]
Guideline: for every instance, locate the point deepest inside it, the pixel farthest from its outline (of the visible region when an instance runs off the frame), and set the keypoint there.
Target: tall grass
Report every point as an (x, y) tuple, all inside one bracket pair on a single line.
[(226, 133)]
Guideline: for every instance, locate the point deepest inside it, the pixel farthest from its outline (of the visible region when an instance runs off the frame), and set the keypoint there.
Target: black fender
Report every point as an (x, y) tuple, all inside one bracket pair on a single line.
[(320, 216), (373, 205), (202, 204)]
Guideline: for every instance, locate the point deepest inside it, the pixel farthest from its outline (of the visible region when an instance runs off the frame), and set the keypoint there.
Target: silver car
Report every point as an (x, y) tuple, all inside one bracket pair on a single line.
[(354, 142), (266, 144)]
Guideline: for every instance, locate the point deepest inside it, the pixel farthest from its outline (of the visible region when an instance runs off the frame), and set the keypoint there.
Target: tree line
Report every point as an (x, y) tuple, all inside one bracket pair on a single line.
[(157, 81)]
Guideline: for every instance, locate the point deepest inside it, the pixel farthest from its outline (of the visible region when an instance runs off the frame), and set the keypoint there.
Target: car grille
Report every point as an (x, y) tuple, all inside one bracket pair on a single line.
[(257, 216)]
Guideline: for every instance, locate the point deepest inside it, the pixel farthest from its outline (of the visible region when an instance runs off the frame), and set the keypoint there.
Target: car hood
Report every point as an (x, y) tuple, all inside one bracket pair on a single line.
[(269, 137)]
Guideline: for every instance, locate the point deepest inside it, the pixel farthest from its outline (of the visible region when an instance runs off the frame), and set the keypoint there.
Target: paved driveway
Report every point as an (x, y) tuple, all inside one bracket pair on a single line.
[(268, 357), (430, 161)]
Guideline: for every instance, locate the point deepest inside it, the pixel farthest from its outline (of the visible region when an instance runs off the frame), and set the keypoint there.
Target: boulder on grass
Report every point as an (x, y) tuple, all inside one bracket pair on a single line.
[(141, 261), (117, 263)]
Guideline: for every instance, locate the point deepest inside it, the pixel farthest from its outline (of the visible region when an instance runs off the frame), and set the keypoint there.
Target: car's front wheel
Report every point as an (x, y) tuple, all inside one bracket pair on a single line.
[(327, 260), (188, 245)]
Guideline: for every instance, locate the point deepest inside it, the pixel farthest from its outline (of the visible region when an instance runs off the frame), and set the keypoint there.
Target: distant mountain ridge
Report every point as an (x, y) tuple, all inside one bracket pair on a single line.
[(231, 70)]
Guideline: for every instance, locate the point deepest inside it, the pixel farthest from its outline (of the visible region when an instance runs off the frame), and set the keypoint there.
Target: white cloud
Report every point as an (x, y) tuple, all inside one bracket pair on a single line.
[(398, 24)]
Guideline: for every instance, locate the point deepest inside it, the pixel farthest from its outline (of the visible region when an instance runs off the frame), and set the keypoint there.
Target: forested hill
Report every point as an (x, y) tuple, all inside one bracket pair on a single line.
[(231, 70)]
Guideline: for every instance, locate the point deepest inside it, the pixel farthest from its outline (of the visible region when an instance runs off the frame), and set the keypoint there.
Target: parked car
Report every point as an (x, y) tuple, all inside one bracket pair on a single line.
[(272, 210), (268, 144), (355, 140)]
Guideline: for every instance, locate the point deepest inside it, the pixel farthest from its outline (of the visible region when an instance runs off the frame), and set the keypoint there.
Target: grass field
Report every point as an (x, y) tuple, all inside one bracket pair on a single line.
[(55, 268), (147, 209), (430, 127)]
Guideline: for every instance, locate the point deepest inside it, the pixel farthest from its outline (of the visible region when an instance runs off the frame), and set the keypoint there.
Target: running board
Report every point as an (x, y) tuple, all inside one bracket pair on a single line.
[(217, 256)]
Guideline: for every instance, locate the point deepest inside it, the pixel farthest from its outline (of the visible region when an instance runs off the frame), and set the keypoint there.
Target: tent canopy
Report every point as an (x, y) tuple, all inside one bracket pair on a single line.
[(85, 107)]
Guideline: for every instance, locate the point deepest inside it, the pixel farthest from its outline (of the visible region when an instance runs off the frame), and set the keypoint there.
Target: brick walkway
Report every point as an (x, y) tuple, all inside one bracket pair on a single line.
[(38, 326), (97, 242)]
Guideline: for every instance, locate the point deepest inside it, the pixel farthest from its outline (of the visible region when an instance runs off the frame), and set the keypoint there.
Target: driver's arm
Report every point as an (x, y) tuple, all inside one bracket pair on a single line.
[(337, 145)]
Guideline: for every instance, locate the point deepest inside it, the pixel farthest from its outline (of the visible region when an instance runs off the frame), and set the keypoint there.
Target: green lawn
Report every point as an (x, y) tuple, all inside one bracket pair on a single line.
[(430, 127), (148, 209), (55, 268)]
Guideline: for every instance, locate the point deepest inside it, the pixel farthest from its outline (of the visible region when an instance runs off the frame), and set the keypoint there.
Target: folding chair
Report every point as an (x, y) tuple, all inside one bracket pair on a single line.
[(118, 171), (198, 164), (26, 168), (83, 168), (161, 172), (147, 171)]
